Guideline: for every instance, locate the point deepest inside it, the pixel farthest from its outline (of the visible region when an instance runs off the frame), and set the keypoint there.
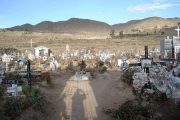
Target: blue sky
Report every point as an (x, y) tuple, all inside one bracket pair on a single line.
[(17, 12)]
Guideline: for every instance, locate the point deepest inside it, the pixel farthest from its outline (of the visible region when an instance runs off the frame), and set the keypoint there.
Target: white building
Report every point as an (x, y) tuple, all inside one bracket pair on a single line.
[(41, 51)]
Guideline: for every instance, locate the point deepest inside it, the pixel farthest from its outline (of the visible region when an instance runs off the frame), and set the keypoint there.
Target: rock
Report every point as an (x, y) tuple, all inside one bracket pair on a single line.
[(140, 79)]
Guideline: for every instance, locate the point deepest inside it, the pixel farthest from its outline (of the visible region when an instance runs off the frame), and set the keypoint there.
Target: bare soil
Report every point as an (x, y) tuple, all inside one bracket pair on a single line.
[(83, 100)]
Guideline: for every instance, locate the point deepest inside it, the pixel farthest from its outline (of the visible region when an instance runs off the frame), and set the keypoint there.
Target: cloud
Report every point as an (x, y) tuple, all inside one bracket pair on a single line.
[(152, 6)]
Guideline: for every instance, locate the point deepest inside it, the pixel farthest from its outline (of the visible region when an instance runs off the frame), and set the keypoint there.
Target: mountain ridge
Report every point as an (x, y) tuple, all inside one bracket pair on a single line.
[(87, 25)]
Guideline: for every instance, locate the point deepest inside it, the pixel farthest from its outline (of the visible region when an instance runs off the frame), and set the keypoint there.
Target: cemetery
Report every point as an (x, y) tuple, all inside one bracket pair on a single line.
[(80, 72), (89, 60)]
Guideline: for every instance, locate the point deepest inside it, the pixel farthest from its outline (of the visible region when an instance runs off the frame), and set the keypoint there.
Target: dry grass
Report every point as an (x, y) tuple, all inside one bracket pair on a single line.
[(58, 41)]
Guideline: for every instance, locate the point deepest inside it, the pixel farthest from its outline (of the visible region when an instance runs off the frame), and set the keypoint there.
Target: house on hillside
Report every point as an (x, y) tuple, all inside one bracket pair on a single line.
[(41, 51)]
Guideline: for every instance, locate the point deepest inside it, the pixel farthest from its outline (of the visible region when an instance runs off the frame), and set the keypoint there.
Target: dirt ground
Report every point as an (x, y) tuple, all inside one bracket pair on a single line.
[(83, 100)]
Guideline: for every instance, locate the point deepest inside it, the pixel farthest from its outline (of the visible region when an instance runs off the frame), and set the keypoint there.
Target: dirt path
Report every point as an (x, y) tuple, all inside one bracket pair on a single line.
[(85, 100)]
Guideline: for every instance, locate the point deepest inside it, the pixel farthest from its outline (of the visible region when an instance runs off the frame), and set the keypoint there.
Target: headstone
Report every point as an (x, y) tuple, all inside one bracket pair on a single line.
[(67, 48), (77, 76), (12, 69), (7, 67), (123, 56), (31, 56), (166, 48), (52, 66), (85, 76), (122, 64), (177, 31), (146, 52), (14, 90)]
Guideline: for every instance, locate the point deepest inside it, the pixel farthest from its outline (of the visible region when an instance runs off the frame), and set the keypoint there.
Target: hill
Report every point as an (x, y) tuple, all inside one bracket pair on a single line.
[(147, 24), (76, 25), (73, 25)]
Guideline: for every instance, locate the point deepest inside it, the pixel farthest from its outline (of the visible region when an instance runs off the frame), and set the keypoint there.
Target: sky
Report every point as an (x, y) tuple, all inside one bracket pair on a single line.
[(18, 12)]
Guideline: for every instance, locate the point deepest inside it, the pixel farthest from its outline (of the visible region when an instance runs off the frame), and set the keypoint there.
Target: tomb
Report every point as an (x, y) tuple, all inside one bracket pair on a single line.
[(170, 48), (14, 90), (79, 75), (159, 79), (41, 51)]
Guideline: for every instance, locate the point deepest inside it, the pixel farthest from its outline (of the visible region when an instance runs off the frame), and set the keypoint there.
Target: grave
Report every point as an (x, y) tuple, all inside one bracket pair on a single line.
[(159, 79), (79, 75), (54, 65), (41, 51), (6, 58), (169, 48), (123, 63), (14, 90), (31, 56)]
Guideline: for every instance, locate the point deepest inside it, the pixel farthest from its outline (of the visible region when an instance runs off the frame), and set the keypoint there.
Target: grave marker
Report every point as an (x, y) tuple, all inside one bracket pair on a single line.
[(29, 72), (14, 90), (146, 62), (177, 31)]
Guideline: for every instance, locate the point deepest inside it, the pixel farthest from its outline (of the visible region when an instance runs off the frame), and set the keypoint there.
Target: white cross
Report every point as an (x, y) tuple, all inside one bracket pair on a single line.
[(177, 31), (67, 47), (31, 43)]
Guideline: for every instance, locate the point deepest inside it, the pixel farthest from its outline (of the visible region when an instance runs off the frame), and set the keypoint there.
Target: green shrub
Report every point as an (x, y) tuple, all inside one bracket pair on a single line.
[(14, 106), (126, 112), (131, 111), (34, 98)]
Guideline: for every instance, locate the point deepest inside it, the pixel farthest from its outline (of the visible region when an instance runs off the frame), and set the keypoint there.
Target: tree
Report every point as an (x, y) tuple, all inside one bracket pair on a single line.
[(162, 33), (155, 30), (147, 33), (121, 33), (178, 23), (112, 33)]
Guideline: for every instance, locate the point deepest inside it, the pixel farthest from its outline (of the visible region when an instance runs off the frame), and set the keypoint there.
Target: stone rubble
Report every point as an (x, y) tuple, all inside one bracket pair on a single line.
[(164, 81), (140, 79)]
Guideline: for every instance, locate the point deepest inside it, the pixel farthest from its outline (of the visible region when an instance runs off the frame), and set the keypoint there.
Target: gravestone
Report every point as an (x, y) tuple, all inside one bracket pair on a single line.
[(14, 90), (31, 56), (67, 48), (79, 75), (29, 73), (146, 52), (146, 62), (166, 48)]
